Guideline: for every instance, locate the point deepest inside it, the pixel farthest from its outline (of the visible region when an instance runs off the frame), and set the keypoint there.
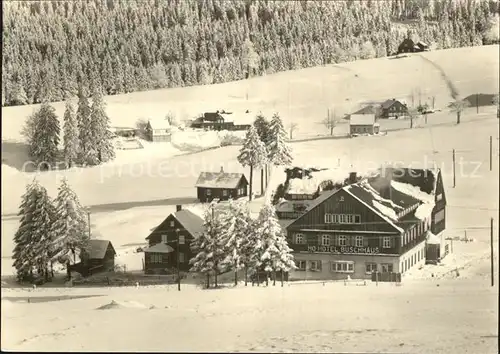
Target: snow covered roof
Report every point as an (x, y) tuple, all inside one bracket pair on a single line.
[(157, 124), (370, 109), (98, 248), (238, 118), (191, 222), (160, 248), (388, 103), (362, 119), (219, 180), (432, 239)]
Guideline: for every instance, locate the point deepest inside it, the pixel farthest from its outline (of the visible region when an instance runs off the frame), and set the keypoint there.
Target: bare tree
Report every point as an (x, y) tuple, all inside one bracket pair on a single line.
[(458, 107), (330, 121), (412, 113), (291, 128)]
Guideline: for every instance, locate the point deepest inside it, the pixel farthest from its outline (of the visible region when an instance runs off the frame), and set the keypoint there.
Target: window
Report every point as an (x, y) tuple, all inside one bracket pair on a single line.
[(156, 258), (370, 268), (386, 242), (401, 267), (342, 240), (299, 239), (164, 238), (209, 192), (329, 218), (343, 267), (359, 241), (439, 197), (172, 224), (387, 267), (181, 257), (224, 192), (439, 216), (325, 240), (301, 265), (342, 219), (182, 239), (315, 265), (242, 191)]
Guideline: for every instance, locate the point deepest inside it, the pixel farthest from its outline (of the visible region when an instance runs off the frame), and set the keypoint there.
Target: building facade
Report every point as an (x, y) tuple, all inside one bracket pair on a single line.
[(356, 231), (170, 242), (159, 130), (363, 124), (393, 109), (221, 185)]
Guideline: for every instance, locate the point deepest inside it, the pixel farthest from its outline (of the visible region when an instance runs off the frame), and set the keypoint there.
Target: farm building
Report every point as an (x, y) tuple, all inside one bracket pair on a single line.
[(158, 130), (171, 239), (221, 185), (393, 108), (409, 46), (100, 258), (222, 121), (377, 225), (370, 109), (363, 124)]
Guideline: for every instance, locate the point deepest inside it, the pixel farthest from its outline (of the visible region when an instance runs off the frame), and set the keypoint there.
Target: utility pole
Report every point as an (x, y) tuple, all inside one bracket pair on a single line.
[(491, 153), (178, 262), (491, 248), (454, 175)]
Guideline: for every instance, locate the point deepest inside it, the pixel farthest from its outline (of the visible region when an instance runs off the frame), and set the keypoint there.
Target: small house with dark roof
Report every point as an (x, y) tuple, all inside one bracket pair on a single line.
[(393, 108), (221, 185), (378, 226), (170, 242), (99, 258)]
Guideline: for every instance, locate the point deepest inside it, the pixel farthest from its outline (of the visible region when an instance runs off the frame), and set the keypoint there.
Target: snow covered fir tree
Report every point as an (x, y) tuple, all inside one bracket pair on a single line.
[(50, 231)]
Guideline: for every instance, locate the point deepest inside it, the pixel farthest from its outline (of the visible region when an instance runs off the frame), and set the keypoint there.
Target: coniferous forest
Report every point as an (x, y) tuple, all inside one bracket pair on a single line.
[(50, 48)]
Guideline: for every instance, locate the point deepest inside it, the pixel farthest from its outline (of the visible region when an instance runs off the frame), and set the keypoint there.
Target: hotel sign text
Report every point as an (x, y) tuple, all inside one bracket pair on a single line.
[(343, 249)]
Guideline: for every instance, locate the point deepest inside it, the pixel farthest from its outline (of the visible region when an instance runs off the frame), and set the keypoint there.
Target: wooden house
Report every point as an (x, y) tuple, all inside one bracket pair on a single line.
[(376, 225), (422, 47), (409, 46), (393, 108), (363, 124), (370, 109), (220, 120), (221, 185), (170, 242), (158, 130), (99, 258)]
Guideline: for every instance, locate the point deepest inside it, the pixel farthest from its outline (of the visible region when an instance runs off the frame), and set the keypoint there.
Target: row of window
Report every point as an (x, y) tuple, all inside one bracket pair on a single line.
[(341, 240), (342, 219), (182, 239), (158, 258), (301, 196), (225, 192), (344, 266), (414, 232), (406, 211), (414, 259)]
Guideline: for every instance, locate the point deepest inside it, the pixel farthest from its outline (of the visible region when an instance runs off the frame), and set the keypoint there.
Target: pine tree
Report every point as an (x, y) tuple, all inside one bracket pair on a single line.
[(286, 261), (280, 153), (70, 138), (23, 256), (45, 140), (261, 124), (70, 237), (252, 154), (100, 128), (270, 231), (236, 228), (87, 153), (42, 218), (209, 247)]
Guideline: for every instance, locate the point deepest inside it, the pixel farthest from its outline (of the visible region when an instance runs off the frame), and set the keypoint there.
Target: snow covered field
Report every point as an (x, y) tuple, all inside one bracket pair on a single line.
[(440, 316)]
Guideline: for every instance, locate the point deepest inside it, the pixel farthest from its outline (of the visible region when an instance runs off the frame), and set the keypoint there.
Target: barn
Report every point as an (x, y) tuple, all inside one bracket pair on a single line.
[(363, 124), (100, 258), (158, 130), (221, 185), (169, 242)]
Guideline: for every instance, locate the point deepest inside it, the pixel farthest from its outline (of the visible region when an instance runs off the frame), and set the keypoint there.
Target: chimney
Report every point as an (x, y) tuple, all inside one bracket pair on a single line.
[(178, 207), (222, 169), (352, 177)]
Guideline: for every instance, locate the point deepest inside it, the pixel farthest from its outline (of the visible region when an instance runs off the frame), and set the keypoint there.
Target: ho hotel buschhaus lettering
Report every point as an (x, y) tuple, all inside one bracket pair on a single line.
[(343, 249)]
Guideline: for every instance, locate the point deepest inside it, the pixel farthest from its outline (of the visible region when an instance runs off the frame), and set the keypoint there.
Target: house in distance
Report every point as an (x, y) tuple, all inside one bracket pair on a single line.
[(393, 108), (221, 185), (100, 258), (170, 241), (222, 120), (158, 130), (409, 46), (363, 124)]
